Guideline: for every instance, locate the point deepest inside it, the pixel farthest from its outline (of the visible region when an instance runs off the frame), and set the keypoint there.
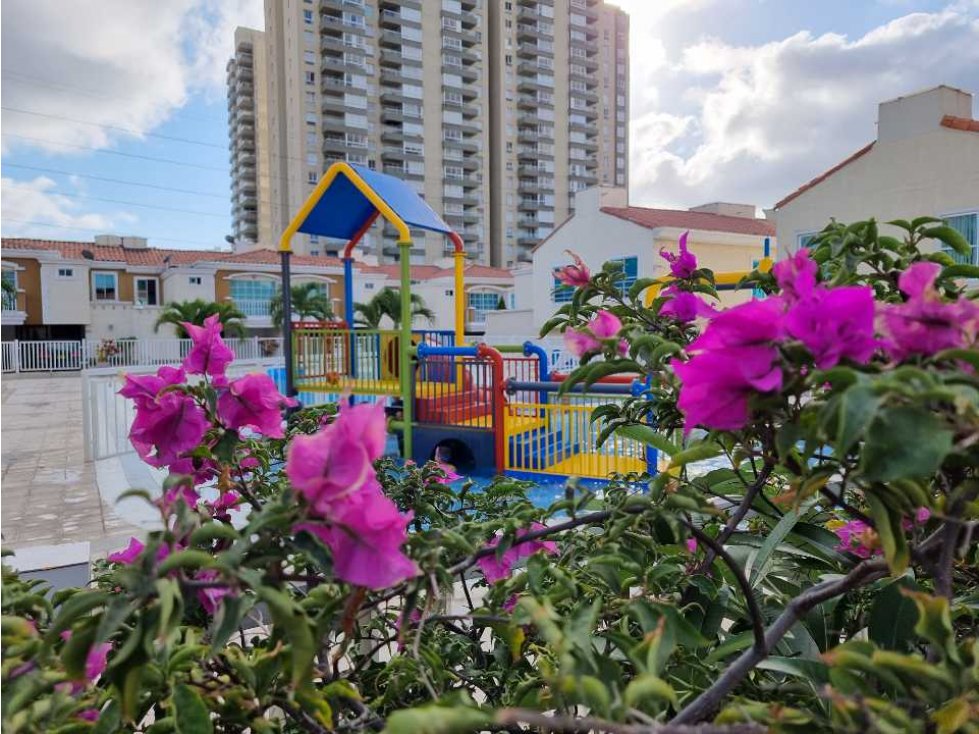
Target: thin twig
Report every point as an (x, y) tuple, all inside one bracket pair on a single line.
[(588, 725)]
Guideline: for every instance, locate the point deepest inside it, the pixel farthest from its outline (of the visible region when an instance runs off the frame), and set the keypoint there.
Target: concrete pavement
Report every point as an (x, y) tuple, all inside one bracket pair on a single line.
[(48, 492)]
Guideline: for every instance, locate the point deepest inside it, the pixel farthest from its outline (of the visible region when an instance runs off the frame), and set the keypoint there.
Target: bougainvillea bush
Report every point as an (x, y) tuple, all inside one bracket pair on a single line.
[(817, 574)]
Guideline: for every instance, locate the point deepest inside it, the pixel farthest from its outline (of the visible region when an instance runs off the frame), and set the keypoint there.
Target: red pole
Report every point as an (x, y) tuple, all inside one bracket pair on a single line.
[(499, 399)]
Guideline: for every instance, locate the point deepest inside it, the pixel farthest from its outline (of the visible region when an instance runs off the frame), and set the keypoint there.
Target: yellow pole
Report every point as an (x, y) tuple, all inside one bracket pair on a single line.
[(460, 302), (404, 353)]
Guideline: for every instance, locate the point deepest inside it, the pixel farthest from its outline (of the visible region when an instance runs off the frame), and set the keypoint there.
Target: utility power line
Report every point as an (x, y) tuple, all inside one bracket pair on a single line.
[(141, 184), (123, 203), (209, 245)]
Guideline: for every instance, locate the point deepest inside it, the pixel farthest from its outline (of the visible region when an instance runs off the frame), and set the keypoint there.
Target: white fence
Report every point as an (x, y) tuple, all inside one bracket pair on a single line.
[(107, 416), (66, 355)]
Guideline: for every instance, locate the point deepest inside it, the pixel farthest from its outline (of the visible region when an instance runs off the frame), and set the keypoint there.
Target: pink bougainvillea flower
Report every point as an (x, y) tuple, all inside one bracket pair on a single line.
[(716, 386), (143, 389), (747, 324), (511, 603), (922, 516), (88, 715), (210, 597), (253, 401), (226, 501), (622, 348), (366, 536), (605, 325), (682, 264), (495, 568), (337, 461), (796, 276), (685, 306), (579, 343), (164, 429), (97, 660), (129, 554), (691, 545), (200, 470), (835, 324), (209, 354), (858, 538), (576, 275), (180, 492), (925, 324)]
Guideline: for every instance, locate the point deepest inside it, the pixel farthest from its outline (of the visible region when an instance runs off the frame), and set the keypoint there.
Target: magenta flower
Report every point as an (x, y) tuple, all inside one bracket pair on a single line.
[(200, 470), (835, 324), (210, 597), (337, 462), (496, 568), (796, 276), (180, 492), (748, 324), (209, 354), (925, 324), (579, 343), (253, 401), (128, 555), (683, 264), (691, 545), (88, 715), (511, 603), (576, 275), (143, 389), (226, 501), (858, 538), (167, 427), (365, 536), (97, 660), (450, 474), (604, 325), (685, 306)]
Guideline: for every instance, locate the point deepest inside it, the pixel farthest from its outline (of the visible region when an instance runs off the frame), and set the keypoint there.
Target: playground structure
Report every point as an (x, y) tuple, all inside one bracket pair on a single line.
[(478, 407)]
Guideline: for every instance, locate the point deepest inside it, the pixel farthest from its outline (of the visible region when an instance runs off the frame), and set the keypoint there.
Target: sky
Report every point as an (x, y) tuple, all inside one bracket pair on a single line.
[(114, 114)]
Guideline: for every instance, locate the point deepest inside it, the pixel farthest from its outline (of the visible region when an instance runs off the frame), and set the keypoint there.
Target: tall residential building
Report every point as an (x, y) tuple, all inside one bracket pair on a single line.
[(496, 112), (249, 145), (559, 79)]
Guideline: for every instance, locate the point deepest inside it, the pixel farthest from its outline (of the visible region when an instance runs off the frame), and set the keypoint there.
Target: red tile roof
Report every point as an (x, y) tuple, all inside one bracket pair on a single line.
[(961, 123), (684, 219), (823, 176), (272, 257), (431, 272), (72, 250)]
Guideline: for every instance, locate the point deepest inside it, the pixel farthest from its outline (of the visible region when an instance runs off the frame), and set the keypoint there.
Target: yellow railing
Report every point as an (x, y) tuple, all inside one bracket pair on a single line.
[(333, 360), (559, 437)]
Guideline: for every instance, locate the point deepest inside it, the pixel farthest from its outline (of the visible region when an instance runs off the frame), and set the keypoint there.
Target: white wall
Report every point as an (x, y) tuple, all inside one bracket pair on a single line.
[(65, 300), (177, 286), (515, 325), (124, 320), (904, 175)]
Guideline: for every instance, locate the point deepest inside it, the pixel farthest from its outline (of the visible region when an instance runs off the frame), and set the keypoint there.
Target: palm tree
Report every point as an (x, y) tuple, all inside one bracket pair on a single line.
[(387, 302), (308, 302), (196, 311)]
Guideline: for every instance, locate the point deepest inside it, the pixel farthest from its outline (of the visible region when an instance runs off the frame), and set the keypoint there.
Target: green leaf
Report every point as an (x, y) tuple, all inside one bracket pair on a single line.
[(887, 523), (812, 671), (212, 531), (950, 237), (187, 558), (78, 604), (857, 407), (110, 719), (961, 270), (893, 616), (292, 620), (649, 436), (437, 720), (763, 558), (697, 452), (644, 687), (76, 650), (228, 618), (904, 442), (190, 712), (935, 623)]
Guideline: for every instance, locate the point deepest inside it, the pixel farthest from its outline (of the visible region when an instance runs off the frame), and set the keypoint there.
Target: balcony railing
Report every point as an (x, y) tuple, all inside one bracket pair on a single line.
[(254, 307)]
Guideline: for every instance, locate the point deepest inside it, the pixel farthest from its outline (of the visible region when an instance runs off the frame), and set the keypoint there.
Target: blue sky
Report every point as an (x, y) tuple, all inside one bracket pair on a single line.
[(740, 100)]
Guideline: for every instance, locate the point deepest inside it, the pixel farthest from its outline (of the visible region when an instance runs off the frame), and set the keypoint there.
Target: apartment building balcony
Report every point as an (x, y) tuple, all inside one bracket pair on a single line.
[(532, 134), (337, 22), (394, 95), (589, 95), (530, 32), (532, 51), (469, 74), (394, 57), (590, 62), (535, 186), (333, 122), (392, 134), (466, 145), (583, 127), (391, 39), (333, 102), (337, 62), (589, 179), (531, 171), (528, 241), (14, 308)]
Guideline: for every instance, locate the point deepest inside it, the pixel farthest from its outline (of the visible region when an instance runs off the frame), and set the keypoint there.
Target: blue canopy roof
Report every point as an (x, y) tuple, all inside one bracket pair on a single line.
[(342, 210)]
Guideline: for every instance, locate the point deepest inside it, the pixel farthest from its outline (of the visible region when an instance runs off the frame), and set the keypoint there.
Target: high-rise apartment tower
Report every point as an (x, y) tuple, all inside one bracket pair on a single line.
[(495, 111)]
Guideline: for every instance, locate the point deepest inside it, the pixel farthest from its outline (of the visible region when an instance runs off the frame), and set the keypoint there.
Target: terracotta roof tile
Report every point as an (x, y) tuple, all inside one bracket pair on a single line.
[(961, 123), (684, 219), (72, 250), (431, 272), (823, 176)]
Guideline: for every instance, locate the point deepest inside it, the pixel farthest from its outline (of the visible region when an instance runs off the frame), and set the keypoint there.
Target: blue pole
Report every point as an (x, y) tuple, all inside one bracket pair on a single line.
[(768, 246), (429, 350), (544, 370), (652, 454), (348, 309)]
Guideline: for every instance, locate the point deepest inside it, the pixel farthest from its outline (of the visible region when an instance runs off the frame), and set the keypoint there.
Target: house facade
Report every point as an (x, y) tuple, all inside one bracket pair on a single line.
[(116, 288), (924, 162), (724, 237)]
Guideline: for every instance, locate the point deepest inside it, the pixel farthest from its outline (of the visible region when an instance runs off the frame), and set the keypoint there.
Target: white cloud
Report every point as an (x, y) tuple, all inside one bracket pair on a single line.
[(124, 63), (767, 118), (29, 205)]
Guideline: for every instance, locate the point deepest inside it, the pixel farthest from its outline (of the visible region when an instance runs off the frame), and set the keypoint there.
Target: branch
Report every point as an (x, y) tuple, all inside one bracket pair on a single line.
[(757, 620), (707, 702), (732, 524), (588, 725)]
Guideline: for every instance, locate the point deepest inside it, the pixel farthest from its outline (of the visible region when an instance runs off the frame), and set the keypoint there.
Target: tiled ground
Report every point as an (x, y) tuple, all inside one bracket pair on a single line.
[(48, 491)]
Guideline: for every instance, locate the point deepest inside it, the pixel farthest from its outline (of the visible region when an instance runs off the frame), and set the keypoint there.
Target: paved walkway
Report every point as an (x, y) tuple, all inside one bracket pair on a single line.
[(48, 491)]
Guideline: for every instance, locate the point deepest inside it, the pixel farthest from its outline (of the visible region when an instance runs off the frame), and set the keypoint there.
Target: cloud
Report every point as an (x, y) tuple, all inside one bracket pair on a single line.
[(751, 123), (116, 62), (36, 203)]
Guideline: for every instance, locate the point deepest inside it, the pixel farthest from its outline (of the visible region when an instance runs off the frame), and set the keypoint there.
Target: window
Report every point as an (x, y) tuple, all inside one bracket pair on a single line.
[(368, 286), (147, 292), (10, 299), (194, 280), (562, 293), (966, 225), (105, 286), (480, 303), (803, 240), (450, 292), (253, 297), (630, 269), (309, 57), (310, 77), (311, 177), (66, 273), (308, 17)]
